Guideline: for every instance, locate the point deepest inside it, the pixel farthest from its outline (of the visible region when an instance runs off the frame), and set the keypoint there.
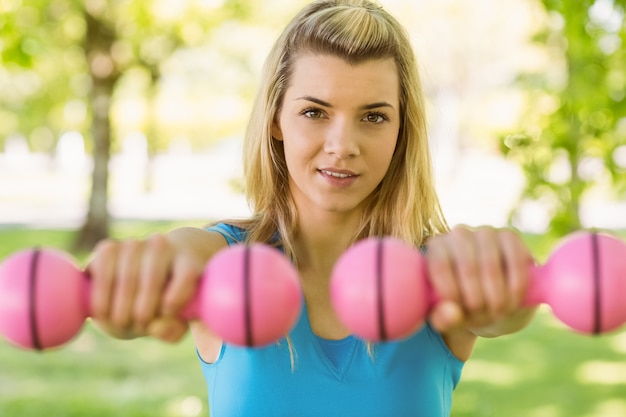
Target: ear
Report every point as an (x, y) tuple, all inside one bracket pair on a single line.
[(277, 133)]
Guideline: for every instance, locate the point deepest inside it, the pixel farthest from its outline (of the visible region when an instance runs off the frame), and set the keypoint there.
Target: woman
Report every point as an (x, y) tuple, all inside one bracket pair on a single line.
[(336, 151)]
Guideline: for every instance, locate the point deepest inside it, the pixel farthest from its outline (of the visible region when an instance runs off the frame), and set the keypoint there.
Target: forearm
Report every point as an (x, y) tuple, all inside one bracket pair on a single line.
[(196, 242)]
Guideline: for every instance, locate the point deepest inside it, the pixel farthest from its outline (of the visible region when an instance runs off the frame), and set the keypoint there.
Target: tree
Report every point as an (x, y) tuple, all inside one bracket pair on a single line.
[(79, 51), (574, 136)]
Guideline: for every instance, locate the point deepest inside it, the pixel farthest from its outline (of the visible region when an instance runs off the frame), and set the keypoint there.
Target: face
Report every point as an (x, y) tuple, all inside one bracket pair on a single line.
[(339, 124)]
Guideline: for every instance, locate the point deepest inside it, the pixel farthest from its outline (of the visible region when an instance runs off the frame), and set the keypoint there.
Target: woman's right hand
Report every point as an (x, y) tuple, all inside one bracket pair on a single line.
[(140, 287)]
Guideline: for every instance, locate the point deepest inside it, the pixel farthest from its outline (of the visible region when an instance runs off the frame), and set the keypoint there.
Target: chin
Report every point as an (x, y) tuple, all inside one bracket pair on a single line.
[(342, 207)]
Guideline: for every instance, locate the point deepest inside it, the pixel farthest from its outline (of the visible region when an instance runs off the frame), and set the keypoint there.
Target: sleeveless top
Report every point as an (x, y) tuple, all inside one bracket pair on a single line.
[(413, 377)]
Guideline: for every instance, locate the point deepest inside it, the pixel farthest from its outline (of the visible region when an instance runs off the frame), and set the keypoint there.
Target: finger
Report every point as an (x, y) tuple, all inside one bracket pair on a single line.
[(155, 271), (519, 261), (441, 271), (101, 270), (465, 260), (127, 272), (493, 271), (182, 286)]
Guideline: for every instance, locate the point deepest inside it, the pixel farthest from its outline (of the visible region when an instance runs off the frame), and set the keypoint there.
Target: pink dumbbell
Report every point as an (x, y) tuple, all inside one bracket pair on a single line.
[(248, 295), (380, 291)]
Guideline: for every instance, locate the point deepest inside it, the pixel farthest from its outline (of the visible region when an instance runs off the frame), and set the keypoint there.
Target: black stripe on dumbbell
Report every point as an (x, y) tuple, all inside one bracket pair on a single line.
[(246, 295), (382, 331), (597, 277), (32, 302)]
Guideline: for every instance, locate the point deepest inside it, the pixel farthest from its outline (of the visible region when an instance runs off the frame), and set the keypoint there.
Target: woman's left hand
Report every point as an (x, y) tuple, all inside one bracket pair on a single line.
[(481, 276)]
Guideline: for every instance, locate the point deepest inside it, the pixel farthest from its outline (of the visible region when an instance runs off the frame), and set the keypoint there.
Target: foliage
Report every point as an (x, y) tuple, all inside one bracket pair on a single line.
[(45, 72), (574, 135), (66, 58)]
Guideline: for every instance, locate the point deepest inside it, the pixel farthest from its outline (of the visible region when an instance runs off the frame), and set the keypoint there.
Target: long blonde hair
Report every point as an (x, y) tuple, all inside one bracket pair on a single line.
[(405, 204)]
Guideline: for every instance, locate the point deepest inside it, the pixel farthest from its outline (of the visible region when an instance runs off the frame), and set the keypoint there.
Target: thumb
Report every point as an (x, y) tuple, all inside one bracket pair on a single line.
[(446, 315)]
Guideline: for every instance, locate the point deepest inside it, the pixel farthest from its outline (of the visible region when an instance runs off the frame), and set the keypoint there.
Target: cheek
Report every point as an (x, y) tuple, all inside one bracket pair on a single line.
[(296, 154), (385, 153), (300, 142)]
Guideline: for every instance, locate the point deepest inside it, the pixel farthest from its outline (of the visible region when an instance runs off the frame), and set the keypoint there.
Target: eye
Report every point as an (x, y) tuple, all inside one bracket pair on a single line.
[(375, 117), (312, 113)]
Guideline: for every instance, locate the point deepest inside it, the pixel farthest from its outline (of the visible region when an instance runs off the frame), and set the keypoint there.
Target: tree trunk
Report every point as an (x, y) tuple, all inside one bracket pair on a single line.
[(98, 43), (96, 225)]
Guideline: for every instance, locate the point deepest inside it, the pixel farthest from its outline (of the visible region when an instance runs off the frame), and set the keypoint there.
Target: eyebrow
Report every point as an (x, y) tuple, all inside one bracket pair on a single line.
[(327, 104)]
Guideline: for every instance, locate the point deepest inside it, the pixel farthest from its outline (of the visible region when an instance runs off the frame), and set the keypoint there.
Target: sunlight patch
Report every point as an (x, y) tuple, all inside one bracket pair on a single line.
[(190, 406), (605, 373), (491, 372), (85, 342), (547, 411), (612, 407), (618, 342)]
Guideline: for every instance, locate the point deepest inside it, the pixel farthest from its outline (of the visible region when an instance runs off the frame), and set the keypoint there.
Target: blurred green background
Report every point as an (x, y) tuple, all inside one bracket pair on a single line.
[(122, 118)]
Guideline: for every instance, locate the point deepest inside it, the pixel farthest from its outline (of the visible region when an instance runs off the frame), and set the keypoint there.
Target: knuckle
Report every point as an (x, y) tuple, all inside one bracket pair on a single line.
[(461, 228), (460, 231), (510, 233), (131, 246), (486, 233), (158, 242), (106, 247)]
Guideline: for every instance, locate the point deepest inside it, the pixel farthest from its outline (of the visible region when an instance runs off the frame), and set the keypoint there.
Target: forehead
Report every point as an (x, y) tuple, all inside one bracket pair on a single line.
[(333, 77)]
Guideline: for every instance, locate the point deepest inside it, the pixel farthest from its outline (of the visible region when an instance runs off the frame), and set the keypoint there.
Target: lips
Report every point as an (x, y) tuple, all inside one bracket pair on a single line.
[(338, 177)]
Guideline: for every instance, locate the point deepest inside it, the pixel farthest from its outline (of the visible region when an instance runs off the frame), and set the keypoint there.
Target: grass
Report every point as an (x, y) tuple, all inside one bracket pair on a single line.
[(543, 371), (97, 376)]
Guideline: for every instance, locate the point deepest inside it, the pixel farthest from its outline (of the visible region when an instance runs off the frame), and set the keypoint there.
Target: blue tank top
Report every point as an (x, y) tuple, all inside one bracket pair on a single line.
[(412, 377)]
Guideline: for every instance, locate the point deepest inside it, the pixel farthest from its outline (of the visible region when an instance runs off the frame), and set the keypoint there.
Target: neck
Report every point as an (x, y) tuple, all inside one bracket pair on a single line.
[(321, 240)]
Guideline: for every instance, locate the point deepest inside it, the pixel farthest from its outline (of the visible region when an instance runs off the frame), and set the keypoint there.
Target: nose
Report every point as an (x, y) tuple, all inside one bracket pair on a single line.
[(342, 140)]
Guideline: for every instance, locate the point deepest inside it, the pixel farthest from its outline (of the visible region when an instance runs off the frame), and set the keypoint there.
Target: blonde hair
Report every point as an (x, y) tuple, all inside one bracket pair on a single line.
[(405, 204)]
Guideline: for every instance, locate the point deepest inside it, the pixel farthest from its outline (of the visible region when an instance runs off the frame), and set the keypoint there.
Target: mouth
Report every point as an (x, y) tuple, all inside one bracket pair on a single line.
[(338, 178), (337, 174)]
